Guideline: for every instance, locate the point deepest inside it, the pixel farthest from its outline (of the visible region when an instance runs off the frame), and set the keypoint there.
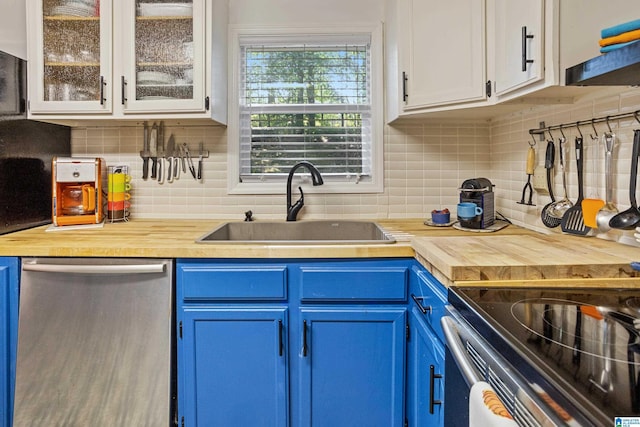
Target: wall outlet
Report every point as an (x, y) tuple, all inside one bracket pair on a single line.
[(539, 181)]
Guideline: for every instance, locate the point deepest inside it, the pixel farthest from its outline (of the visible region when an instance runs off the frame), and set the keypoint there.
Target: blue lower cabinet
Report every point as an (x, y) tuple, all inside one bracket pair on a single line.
[(425, 354), (9, 271), (234, 367), (295, 343), (351, 371), (425, 373)]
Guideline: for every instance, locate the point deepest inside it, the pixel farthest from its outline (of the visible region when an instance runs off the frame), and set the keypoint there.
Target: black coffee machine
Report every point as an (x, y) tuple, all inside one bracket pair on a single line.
[(480, 192)]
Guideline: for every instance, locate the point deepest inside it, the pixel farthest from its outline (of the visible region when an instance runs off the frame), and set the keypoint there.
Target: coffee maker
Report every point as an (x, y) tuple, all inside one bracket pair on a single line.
[(77, 190), (480, 192)]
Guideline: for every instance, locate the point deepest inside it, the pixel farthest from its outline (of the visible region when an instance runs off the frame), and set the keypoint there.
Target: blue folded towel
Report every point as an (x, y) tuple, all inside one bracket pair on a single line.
[(611, 47), (620, 28)]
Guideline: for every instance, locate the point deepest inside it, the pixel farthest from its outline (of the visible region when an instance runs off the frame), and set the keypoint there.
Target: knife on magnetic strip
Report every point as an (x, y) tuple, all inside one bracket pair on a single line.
[(153, 149), (145, 153)]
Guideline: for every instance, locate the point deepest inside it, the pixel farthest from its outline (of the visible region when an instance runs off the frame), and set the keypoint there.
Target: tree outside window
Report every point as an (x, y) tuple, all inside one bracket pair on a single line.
[(305, 102)]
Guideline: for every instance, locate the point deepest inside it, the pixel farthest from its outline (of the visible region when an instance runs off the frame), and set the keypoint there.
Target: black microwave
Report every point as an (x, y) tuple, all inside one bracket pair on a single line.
[(26, 150)]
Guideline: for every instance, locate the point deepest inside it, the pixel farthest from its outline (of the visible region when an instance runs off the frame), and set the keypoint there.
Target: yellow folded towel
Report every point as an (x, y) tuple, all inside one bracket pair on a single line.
[(622, 38)]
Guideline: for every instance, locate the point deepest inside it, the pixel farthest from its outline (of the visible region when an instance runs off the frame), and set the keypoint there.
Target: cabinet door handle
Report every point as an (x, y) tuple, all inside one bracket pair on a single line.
[(123, 85), (405, 95), (432, 387), (304, 338), (422, 308), (280, 338), (102, 85), (525, 36)]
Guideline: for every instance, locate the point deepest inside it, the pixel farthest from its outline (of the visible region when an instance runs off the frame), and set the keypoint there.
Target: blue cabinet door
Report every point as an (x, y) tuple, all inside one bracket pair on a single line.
[(233, 366), (9, 269), (351, 366), (425, 370), (430, 296)]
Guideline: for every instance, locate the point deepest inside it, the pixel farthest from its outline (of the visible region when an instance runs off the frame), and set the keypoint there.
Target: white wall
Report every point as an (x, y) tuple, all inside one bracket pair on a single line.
[(279, 12), (13, 32), (510, 141), (424, 162)]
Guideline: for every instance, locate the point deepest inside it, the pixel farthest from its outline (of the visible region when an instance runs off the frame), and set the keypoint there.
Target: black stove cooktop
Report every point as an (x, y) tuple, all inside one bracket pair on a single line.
[(581, 346)]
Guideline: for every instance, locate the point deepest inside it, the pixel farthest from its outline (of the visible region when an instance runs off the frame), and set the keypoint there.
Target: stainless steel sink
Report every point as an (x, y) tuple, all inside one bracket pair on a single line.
[(299, 233)]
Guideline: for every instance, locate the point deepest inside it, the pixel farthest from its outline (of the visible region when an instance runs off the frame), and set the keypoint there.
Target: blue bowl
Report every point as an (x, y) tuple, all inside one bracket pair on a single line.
[(440, 217)]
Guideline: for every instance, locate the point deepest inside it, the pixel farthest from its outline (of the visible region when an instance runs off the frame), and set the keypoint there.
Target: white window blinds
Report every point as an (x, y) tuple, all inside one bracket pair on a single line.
[(308, 101)]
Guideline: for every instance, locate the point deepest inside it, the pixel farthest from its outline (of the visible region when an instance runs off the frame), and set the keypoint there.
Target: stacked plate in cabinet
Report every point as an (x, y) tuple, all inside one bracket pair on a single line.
[(165, 9), (155, 78), (76, 8)]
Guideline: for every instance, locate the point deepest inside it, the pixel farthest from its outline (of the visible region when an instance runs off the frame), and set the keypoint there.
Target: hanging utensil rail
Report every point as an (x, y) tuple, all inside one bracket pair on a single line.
[(542, 130)]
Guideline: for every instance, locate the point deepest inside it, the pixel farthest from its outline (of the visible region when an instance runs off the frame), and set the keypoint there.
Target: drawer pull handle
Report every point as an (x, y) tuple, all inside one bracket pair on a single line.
[(123, 85), (405, 95), (422, 308), (103, 83), (304, 338), (280, 339), (525, 60), (432, 387)]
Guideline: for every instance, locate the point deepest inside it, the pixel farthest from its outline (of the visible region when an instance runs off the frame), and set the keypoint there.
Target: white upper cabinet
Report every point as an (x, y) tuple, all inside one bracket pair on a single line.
[(519, 43), (13, 34), (464, 54), (443, 52), (106, 59), (163, 56), (69, 57)]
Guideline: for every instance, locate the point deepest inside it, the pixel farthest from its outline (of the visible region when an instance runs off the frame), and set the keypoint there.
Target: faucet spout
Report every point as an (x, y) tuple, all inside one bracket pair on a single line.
[(316, 178)]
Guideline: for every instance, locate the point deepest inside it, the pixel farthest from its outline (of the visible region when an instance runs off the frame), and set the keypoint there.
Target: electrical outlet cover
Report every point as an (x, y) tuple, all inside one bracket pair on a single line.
[(539, 181)]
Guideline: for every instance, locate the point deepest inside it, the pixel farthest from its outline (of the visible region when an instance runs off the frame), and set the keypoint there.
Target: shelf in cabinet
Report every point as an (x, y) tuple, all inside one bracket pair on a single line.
[(163, 18), (166, 85), (165, 64), (59, 18), (72, 64)]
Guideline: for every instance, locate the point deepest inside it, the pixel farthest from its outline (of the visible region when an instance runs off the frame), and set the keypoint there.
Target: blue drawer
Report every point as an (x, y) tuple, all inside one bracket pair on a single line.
[(353, 283), (237, 282), (430, 297)]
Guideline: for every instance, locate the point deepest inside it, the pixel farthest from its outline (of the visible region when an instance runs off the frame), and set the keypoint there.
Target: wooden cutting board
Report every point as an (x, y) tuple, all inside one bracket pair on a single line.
[(526, 257)]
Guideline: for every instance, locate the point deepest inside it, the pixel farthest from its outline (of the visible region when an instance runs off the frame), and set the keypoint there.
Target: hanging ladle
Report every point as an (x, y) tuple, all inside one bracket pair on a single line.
[(558, 209), (627, 220)]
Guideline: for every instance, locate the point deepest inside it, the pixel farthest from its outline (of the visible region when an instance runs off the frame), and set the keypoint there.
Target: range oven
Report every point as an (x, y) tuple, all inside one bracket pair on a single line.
[(554, 356)]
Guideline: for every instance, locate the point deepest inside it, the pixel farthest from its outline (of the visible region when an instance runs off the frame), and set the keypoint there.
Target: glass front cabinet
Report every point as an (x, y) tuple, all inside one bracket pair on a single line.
[(118, 57)]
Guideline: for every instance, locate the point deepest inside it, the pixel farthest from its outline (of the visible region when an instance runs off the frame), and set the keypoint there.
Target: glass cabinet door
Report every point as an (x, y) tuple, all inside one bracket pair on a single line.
[(165, 70), (72, 57)]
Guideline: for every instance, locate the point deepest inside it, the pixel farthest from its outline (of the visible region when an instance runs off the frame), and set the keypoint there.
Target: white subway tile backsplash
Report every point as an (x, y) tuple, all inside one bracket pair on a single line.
[(508, 152), (425, 163)]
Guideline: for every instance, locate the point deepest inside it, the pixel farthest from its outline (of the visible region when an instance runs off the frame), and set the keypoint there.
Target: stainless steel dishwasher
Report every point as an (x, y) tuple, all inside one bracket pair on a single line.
[(95, 343)]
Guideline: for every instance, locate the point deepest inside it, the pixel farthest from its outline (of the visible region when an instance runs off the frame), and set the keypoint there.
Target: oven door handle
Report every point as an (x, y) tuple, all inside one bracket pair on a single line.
[(456, 346)]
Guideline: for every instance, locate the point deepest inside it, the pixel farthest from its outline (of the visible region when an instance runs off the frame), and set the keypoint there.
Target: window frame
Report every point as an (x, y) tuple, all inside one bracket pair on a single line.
[(304, 34)]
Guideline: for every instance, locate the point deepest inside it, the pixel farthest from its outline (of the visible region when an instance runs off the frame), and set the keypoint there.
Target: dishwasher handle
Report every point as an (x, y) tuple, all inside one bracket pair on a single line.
[(95, 269), (457, 350)]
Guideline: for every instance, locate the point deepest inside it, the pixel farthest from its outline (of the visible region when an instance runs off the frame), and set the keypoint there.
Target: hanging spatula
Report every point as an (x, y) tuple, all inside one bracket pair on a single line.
[(573, 219), (549, 159)]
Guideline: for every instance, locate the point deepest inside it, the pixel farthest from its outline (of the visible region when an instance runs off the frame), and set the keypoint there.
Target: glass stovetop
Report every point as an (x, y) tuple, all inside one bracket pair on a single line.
[(585, 342)]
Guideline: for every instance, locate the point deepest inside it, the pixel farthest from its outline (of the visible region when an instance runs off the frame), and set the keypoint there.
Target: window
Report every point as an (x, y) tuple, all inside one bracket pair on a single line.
[(308, 97)]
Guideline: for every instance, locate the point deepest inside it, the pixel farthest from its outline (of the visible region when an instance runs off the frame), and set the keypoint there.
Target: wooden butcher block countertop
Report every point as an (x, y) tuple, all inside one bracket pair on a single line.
[(526, 257), (509, 255), (170, 238)]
